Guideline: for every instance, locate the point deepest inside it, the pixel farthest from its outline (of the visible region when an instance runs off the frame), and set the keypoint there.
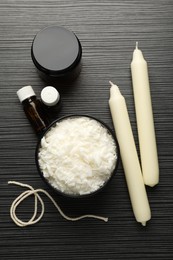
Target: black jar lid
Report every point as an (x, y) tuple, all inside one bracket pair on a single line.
[(56, 51)]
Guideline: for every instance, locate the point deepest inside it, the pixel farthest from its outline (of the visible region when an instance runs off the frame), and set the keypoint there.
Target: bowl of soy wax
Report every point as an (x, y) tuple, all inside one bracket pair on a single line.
[(77, 155)]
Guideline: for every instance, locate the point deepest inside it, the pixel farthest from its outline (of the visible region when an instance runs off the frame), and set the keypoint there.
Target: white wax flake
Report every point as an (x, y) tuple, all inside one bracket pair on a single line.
[(77, 155)]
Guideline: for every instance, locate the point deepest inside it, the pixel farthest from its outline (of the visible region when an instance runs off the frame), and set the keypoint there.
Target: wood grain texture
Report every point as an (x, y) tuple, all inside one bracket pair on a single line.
[(108, 31)]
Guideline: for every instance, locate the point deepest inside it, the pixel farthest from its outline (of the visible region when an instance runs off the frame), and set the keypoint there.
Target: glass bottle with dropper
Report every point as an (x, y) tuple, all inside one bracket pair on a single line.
[(33, 109)]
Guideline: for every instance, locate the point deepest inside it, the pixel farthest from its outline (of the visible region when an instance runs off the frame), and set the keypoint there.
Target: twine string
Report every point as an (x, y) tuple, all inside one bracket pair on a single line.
[(36, 217)]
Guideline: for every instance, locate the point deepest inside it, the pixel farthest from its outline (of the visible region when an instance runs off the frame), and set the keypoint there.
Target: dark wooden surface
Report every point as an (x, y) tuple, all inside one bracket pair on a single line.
[(108, 31)]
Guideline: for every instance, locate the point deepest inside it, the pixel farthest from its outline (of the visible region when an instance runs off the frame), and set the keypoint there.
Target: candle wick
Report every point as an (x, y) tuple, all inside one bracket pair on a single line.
[(136, 45), (143, 223), (111, 83)]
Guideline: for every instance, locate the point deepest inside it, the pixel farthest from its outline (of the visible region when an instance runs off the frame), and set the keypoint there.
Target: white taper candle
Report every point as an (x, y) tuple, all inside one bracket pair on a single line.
[(144, 116), (136, 187)]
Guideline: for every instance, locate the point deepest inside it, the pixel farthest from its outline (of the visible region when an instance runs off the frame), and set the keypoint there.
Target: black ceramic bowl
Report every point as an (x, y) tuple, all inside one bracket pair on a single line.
[(73, 195)]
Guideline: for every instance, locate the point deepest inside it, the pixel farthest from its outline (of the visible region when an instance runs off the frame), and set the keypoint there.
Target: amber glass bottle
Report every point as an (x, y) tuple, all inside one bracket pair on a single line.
[(34, 109)]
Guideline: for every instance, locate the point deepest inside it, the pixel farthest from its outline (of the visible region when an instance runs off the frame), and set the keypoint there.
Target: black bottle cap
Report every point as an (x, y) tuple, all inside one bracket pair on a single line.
[(56, 51)]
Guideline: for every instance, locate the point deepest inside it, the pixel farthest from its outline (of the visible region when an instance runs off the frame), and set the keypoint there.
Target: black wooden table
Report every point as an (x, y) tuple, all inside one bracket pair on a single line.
[(108, 31)]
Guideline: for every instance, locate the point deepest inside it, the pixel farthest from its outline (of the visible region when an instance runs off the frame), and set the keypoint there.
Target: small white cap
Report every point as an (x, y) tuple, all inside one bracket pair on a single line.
[(25, 92), (50, 96)]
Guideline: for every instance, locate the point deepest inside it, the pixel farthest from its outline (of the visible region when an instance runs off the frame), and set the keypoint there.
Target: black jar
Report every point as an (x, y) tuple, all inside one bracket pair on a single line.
[(56, 53)]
